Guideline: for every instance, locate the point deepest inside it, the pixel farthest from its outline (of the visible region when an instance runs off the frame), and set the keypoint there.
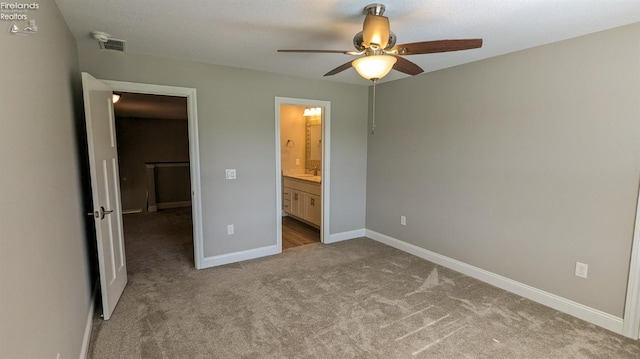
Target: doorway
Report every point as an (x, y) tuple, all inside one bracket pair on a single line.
[(302, 171), (153, 161), (171, 171)]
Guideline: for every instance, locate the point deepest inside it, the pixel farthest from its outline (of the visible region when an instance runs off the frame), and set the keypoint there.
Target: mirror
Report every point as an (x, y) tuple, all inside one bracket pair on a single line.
[(313, 145)]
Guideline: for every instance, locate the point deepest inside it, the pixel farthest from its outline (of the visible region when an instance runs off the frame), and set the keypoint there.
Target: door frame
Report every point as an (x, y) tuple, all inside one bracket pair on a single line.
[(631, 321), (194, 150), (325, 224)]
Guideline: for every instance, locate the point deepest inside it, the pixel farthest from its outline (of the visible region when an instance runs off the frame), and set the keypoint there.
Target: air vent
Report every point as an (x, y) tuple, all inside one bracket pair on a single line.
[(113, 44)]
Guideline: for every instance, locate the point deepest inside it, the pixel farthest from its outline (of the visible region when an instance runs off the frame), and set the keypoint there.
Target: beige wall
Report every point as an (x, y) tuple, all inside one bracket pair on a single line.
[(45, 287), (292, 127), (236, 120), (521, 164)]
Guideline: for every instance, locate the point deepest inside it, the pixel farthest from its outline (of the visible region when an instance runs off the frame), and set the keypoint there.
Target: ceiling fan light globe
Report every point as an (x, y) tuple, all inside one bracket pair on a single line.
[(374, 67), (376, 31)]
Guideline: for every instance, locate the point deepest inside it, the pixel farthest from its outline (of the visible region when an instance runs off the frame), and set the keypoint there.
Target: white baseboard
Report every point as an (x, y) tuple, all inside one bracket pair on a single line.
[(564, 305), (167, 205), (84, 351), (208, 262), (343, 236)]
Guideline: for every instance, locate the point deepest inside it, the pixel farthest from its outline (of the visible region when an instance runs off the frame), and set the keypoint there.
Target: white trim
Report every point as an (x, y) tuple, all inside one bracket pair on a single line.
[(631, 326), (194, 150), (325, 230), (86, 339), (564, 305), (177, 204), (343, 236), (325, 224), (234, 257)]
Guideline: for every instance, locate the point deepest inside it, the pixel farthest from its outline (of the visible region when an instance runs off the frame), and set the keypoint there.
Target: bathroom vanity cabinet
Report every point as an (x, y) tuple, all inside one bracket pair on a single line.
[(302, 200)]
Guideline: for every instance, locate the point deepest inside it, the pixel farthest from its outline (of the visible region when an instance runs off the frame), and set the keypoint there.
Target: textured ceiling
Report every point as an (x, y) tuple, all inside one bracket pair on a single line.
[(247, 33)]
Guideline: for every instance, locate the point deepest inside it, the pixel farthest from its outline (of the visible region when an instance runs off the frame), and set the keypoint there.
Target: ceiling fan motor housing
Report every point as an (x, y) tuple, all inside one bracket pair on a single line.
[(358, 42)]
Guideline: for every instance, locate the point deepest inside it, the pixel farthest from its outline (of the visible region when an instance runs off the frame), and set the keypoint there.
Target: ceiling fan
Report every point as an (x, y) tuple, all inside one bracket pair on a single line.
[(381, 54)]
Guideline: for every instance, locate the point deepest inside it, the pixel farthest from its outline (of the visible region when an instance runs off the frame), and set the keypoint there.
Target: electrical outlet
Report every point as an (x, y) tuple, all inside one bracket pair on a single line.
[(230, 173), (403, 220), (230, 229), (297, 162), (581, 269)]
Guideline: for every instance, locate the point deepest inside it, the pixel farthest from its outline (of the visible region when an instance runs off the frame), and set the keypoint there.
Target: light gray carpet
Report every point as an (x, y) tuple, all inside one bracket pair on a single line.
[(354, 299)]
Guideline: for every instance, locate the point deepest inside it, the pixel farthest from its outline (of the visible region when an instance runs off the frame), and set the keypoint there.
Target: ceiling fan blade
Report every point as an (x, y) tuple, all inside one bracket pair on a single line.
[(319, 51), (430, 47), (375, 30), (339, 69), (406, 66)]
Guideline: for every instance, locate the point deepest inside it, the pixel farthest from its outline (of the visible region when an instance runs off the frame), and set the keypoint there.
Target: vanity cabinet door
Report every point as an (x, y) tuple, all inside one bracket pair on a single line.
[(314, 209), (297, 203), (286, 199)]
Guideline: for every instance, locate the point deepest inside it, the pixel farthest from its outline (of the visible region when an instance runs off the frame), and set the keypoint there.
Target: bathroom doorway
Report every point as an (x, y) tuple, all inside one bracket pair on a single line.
[(302, 171)]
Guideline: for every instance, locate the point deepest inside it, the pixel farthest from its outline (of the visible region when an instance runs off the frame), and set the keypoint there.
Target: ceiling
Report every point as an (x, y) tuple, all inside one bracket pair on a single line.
[(247, 33)]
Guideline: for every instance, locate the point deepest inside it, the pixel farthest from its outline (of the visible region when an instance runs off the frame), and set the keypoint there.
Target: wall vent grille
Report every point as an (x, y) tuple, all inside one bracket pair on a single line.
[(114, 45)]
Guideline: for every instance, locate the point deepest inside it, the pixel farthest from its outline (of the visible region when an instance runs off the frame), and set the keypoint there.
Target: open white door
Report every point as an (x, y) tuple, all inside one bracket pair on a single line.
[(105, 188)]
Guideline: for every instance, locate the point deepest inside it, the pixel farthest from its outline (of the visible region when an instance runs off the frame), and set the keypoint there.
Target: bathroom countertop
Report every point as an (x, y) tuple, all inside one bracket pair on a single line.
[(306, 177)]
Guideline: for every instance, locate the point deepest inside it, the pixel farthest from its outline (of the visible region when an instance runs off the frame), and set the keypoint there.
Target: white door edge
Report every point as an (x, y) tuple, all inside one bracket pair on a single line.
[(631, 323)]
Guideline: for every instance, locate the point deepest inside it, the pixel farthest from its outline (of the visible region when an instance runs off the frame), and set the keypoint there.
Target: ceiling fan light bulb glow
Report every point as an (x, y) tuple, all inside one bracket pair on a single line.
[(374, 67)]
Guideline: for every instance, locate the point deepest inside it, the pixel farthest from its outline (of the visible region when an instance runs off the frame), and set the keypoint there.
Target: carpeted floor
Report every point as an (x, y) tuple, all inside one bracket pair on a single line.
[(354, 299)]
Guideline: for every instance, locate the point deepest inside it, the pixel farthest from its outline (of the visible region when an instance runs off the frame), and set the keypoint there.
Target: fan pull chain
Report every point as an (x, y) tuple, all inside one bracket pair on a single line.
[(373, 111)]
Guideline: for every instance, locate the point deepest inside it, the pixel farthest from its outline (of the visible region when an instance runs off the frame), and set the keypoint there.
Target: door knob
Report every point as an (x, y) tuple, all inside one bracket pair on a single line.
[(101, 213)]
